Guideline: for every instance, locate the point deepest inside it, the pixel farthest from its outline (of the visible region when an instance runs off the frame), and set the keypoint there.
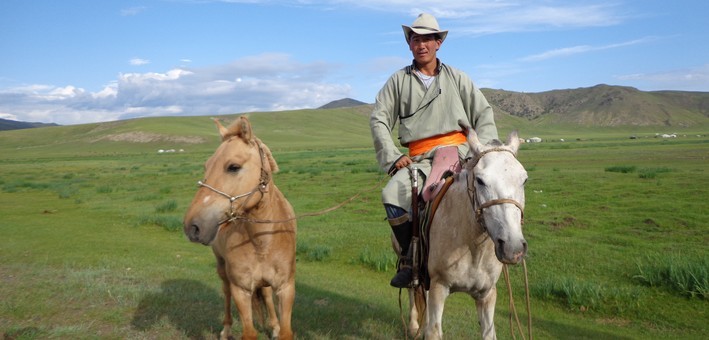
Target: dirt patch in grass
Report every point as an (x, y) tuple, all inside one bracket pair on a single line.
[(147, 137), (562, 223)]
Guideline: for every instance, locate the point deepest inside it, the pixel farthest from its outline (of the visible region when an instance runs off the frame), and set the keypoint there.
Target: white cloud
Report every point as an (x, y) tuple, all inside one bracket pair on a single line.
[(265, 82), (692, 79), (139, 61), (133, 11), (567, 51), (481, 17), (7, 116)]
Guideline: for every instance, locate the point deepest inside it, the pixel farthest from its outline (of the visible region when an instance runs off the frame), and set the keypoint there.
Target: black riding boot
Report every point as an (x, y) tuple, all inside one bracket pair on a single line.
[(403, 235)]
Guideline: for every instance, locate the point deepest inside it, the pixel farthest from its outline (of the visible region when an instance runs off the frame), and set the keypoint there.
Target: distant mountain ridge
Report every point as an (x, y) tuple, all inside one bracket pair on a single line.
[(340, 103), (6, 124), (600, 105), (605, 105)]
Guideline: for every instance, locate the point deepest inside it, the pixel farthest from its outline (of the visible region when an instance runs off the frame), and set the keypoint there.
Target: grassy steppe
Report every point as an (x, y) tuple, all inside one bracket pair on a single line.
[(92, 244)]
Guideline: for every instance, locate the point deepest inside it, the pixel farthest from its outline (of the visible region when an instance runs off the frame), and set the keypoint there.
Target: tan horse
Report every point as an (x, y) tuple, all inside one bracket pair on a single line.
[(477, 228), (251, 227)]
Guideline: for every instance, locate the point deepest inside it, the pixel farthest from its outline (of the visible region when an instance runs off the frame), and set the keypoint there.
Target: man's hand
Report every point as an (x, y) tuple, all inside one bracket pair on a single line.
[(403, 162)]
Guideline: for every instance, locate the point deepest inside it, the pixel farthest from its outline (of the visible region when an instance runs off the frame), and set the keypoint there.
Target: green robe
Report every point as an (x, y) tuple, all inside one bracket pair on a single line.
[(422, 113)]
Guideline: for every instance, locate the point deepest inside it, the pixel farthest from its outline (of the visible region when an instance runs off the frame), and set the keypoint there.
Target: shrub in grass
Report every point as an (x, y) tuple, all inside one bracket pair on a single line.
[(25, 333), (104, 189), (381, 261), (686, 276), (650, 173), (10, 188), (16, 186), (168, 206), (313, 253), (621, 168), (585, 295), (169, 223), (65, 191)]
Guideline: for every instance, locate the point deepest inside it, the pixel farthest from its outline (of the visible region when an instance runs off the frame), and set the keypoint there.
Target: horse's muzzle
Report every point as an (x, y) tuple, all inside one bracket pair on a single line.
[(192, 232), (510, 252), (196, 232)]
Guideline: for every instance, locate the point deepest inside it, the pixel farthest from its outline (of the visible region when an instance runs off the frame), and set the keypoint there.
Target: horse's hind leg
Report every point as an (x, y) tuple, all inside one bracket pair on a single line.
[(267, 294), (486, 313), (286, 298), (417, 311)]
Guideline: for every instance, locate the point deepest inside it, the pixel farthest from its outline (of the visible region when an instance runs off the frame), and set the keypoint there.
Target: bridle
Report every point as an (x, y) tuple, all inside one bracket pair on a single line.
[(261, 187), (479, 208)]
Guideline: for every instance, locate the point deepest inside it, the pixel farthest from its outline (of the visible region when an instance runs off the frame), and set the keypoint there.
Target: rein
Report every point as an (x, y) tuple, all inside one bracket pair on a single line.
[(262, 187)]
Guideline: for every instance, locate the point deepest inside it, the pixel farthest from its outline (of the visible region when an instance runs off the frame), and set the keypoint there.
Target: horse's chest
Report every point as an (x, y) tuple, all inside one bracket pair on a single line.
[(464, 271)]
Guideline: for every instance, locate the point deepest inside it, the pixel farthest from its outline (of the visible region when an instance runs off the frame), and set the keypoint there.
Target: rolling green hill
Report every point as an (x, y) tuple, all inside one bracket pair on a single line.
[(335, 128)]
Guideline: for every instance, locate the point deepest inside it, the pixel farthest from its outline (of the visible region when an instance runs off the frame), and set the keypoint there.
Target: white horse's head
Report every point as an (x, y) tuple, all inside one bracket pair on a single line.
[(498, 180)]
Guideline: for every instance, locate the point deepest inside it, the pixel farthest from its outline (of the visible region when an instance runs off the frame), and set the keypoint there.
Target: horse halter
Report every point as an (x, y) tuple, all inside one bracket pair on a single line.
[(480, 207), (261, 187)]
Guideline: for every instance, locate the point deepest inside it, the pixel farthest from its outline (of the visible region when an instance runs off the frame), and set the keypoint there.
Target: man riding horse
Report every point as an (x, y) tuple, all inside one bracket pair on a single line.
[(426, 98)]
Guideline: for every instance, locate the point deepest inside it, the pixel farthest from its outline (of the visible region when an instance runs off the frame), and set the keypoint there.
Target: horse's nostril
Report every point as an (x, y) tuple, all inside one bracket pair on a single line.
[(194, 231)]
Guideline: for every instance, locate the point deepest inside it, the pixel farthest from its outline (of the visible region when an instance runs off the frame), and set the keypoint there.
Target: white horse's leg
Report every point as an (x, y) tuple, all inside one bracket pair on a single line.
[(417, 311), (437, 295), (486, 313), (413, 314)]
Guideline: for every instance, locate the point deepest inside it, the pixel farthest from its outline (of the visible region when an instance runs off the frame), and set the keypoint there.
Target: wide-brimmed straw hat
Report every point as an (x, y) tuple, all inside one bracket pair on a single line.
[(424, 24)]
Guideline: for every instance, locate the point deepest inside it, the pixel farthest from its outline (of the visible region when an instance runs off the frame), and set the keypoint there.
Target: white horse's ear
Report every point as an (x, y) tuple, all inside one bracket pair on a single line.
[(473, 140), (513, 141), (223, 132)]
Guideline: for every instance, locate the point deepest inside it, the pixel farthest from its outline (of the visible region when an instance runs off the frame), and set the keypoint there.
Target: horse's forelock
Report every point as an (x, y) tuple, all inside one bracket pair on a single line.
[(495, 142), (240, 128)]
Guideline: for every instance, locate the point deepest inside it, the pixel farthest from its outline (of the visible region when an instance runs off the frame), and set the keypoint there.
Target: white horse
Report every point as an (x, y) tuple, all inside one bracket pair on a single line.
[(477, 228)]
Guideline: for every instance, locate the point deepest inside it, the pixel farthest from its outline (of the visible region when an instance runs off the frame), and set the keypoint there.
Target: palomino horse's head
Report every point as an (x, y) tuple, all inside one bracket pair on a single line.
[(236, 177), (497, 183)]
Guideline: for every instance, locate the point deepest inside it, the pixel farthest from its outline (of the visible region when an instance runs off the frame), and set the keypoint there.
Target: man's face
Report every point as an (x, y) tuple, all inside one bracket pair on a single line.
[(424, 47)]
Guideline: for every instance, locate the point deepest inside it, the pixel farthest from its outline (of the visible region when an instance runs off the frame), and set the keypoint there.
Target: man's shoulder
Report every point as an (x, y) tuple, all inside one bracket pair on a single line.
[(452, 70)]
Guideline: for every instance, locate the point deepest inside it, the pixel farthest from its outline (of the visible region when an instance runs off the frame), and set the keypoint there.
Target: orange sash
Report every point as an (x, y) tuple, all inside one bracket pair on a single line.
[(424, 145)]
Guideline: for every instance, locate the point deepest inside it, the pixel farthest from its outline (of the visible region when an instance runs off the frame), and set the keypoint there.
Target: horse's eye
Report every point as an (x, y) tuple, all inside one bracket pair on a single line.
[(233, 168), (480, 181)]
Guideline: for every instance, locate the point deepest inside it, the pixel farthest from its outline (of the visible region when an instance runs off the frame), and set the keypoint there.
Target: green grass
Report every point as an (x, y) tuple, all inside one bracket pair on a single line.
[(682, 275), (92, 242)]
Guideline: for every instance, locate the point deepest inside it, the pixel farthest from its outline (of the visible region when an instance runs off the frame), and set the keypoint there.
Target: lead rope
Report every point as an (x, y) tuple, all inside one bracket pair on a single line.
[(232, 215), (529, 308), (513, 310)]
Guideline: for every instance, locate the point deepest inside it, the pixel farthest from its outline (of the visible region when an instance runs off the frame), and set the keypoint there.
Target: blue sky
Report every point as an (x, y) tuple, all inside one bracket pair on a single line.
[(82, 61)]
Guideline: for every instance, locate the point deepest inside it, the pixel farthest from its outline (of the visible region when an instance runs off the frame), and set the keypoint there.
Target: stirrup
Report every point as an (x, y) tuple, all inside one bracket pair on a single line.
[(404, 274)]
